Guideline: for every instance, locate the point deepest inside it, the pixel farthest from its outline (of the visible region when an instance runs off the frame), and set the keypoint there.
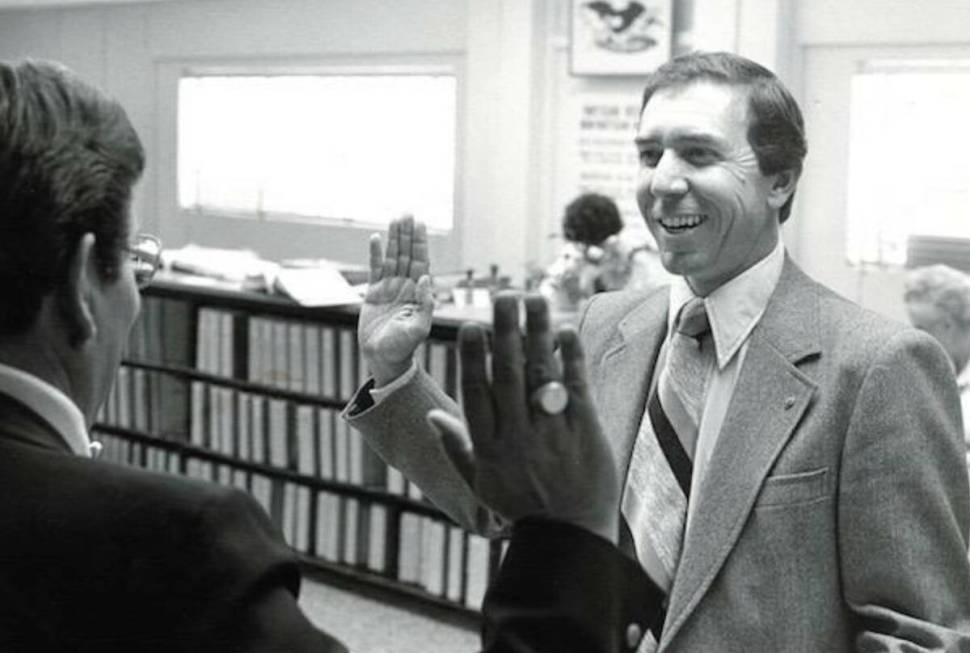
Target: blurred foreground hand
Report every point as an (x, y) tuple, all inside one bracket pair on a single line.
[(520, 460)]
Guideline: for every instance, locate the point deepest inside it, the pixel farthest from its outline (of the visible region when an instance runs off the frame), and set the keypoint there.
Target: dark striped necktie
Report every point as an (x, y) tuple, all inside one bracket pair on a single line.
[(659, 479)]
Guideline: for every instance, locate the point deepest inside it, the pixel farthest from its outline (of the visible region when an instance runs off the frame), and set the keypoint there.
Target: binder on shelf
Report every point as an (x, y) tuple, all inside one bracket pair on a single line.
[(296, 366), (328, 526), (476, 569), (377, 538), (326, 443), (456, 564), (433, 537), (328, 362), (311, 350)]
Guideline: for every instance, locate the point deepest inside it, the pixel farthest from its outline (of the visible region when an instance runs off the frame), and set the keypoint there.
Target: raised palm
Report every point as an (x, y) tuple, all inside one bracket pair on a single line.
[(396, 315)]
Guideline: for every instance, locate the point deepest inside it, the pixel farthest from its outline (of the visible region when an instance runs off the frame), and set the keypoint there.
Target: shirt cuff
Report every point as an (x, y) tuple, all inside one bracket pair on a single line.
[(380, 394)]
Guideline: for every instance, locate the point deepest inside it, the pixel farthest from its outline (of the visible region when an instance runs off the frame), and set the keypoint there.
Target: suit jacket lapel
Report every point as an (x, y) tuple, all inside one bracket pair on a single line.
[(769, 399), (624, 372)]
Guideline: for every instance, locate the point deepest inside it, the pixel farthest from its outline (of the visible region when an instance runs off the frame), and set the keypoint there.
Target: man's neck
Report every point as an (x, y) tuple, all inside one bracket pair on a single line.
[(36, 357)]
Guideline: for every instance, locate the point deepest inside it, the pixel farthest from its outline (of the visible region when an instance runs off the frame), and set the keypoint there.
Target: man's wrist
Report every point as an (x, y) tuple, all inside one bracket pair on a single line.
[(384, 373)]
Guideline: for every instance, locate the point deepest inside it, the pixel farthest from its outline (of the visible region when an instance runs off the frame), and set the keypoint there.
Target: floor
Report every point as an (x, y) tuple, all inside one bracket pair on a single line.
[(368, 626)]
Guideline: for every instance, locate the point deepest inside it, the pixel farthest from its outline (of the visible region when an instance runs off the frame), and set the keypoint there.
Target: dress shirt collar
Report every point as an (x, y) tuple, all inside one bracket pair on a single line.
[(734, 308), (50, 404), (963, 377)]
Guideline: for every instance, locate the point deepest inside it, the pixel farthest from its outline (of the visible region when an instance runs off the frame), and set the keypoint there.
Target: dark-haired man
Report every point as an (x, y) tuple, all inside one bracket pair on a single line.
[(793, 475)]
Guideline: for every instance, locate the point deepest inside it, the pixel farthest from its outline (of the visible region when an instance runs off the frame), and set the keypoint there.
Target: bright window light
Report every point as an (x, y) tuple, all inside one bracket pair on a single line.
[(909, 169), (362, 149)]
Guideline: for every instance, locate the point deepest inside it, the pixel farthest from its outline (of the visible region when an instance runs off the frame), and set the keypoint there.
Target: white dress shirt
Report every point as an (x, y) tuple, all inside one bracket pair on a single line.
[(963, 383), (734, 310), (52, 405)]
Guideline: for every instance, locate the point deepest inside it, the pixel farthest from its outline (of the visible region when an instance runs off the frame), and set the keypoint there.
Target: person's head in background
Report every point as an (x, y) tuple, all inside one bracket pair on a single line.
[(590, 219), (938, 301), (69, 159), (721, 144)]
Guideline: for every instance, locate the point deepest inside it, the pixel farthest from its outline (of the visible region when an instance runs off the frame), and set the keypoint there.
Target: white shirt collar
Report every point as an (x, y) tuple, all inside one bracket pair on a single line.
[(963, 378), (736, 307), (55, 407)]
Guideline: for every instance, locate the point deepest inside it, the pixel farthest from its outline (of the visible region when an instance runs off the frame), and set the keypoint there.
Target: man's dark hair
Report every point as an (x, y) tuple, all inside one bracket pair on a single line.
[(590, 219), (776, 132), (69, 158)]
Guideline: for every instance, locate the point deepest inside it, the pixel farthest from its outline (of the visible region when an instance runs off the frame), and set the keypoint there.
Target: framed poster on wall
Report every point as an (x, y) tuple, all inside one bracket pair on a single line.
[(619, 37)]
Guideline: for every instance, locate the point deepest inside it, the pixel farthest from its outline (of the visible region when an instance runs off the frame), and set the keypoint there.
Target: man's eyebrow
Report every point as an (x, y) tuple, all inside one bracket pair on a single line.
[(683, 138)]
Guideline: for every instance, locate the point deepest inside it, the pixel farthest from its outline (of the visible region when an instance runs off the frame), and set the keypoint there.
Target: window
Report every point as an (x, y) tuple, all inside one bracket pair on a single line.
[(909, 162), (330, 148)]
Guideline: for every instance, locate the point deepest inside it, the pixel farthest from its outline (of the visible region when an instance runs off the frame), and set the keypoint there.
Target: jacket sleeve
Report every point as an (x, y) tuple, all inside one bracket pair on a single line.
[(398, 431), (904, 503), (246, 583), (561, 588)]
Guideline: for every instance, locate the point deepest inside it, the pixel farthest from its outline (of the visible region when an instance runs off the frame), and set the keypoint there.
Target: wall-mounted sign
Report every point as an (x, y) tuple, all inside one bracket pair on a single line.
[(619, 37)]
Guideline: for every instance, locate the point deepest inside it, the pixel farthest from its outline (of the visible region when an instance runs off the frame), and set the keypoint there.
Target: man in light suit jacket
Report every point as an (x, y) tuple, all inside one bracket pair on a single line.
[(99, 557), (827, 508)]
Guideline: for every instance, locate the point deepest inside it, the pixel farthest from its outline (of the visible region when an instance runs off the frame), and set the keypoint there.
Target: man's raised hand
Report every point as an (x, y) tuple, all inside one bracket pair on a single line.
[(396, 315), (520, 460)]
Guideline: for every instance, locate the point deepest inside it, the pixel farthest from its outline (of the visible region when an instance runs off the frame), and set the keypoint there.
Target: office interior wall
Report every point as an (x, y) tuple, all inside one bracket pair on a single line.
[(516, 87), (830, 38)]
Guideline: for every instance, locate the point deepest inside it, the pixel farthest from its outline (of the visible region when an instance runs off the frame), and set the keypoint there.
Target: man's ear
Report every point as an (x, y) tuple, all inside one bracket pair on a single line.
[(782, 186), (76, 295)]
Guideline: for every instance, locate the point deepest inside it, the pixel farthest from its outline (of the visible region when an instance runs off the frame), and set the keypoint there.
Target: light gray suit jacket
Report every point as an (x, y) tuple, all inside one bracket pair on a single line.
[(835, 511)]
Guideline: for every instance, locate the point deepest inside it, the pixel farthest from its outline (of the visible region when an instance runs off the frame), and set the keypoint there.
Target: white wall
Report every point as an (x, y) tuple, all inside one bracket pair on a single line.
[(830, 38), (513, 55)]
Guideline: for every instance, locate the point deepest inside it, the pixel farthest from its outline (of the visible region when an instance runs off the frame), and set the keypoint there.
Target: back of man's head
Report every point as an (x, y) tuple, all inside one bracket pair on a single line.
[(69, 158), (942, 287), (776, 130)]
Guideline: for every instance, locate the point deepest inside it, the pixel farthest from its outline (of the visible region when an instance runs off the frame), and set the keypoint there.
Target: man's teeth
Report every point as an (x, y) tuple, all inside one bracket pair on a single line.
[(682, 221)]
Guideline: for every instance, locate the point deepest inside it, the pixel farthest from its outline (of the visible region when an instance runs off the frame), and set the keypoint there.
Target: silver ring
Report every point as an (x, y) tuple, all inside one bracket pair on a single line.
[(551, 398)]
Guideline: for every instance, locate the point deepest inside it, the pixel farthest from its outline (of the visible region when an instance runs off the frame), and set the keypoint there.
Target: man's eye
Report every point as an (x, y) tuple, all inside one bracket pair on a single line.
[(699, 155), (650, 156)]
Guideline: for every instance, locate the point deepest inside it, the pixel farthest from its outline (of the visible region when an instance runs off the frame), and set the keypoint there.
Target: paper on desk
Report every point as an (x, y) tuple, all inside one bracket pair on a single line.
[(317, 286)]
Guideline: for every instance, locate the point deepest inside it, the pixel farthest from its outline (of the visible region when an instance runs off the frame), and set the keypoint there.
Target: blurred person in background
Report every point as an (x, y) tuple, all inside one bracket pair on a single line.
[(938, 301), (596, 256)]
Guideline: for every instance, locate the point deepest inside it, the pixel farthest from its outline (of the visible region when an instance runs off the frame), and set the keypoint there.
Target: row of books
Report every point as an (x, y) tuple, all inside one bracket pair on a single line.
[(307, 439), (431, 554), (299, 374)]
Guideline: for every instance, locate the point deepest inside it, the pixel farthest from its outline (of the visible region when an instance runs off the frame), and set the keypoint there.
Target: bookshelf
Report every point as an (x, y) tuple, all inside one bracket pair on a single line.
[(245, 389)]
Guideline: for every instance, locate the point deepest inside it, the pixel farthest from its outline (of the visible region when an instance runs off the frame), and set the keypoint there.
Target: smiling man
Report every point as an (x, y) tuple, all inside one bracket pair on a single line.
[(792, 462)]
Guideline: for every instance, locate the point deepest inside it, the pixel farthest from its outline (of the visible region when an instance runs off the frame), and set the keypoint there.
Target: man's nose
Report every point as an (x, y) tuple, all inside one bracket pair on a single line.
[(668, 176)]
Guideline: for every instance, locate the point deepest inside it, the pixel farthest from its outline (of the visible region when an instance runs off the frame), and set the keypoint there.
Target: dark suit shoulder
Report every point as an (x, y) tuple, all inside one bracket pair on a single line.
[(167, 560)]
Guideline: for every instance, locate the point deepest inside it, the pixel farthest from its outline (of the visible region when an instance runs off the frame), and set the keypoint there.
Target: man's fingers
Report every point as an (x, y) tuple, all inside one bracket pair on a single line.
[(420, 259), (476, 392), (376, 259), (574, 374), (425, 294), (390, 257), (456, 443), (541, 365), (508, 377), (405, 237)]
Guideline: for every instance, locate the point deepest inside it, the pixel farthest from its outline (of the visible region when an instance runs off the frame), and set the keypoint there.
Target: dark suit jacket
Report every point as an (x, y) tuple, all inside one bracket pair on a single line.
[(99, 557)]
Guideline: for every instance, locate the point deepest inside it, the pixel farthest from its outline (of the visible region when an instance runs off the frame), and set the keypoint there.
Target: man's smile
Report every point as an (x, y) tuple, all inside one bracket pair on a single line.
[(681, 222)]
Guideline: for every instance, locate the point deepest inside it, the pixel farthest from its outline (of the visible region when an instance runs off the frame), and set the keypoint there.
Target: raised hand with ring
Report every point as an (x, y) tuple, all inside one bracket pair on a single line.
[(533, 451)]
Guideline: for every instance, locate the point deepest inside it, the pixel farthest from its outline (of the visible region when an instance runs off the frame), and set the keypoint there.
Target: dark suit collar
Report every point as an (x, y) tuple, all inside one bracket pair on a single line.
[(19, 423)]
